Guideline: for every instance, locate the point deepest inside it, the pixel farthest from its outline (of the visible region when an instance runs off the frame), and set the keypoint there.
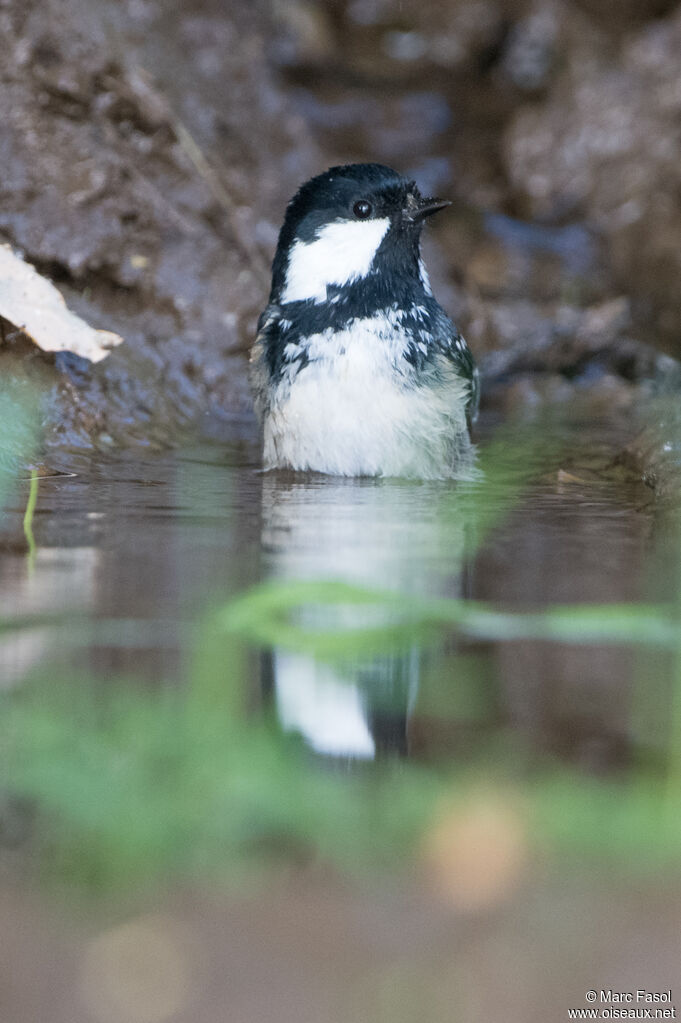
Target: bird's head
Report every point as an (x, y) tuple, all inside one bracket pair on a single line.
[(360, 221)]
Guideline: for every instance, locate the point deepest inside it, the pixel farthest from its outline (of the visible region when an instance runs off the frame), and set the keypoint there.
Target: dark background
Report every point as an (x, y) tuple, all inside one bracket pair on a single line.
[(148, 150)]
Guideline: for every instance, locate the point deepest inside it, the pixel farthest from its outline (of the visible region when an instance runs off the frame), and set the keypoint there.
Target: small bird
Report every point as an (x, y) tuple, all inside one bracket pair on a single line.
[(356, 370)]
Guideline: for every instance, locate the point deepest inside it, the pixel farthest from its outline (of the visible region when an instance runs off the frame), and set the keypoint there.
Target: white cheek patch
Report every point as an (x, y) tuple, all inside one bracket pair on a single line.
[(341, 252)]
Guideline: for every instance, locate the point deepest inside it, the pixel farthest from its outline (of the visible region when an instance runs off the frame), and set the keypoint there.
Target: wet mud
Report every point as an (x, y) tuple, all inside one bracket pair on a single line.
[(144, 202), (149, 150)]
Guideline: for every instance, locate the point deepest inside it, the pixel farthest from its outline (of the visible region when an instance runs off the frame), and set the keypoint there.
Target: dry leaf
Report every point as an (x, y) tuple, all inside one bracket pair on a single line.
[(34, 305)]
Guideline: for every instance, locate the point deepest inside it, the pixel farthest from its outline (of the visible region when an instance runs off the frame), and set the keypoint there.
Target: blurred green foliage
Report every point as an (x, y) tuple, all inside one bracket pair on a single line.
[(268, 615), (133, 785)]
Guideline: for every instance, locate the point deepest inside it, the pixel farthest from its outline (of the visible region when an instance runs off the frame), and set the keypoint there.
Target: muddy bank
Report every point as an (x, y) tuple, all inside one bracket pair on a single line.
[(149, 150), (148, 207)]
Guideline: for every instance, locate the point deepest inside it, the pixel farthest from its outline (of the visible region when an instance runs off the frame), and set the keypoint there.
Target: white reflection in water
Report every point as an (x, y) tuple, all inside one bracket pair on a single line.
[(326, 708), (385, 534), (58, 580)]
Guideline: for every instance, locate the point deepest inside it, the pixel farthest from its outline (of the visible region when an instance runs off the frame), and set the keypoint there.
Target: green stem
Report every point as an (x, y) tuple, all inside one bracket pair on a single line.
[(28, 518)]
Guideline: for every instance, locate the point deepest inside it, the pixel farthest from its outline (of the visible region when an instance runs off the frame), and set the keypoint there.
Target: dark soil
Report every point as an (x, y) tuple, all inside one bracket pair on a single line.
[(148, 151), (152, 207)]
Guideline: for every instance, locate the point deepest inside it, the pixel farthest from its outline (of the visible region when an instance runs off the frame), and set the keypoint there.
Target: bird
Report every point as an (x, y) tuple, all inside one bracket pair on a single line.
[(356, 369)]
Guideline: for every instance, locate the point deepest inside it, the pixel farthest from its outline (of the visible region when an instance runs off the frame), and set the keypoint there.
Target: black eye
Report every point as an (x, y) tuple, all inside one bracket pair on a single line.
[(362, 209)]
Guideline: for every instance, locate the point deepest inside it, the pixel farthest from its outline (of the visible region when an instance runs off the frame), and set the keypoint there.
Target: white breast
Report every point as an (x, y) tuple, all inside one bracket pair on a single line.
[(355, 409)]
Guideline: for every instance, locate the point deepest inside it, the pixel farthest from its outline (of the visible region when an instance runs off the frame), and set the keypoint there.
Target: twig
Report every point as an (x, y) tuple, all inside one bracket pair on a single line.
[(220, 193)]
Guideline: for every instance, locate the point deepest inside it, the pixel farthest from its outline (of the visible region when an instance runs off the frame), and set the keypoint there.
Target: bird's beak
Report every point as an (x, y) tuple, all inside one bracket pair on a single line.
[(416, 210)]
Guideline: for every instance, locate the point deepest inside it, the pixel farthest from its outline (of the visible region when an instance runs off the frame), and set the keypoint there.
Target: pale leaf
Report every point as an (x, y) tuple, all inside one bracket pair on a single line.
[(34, 305)]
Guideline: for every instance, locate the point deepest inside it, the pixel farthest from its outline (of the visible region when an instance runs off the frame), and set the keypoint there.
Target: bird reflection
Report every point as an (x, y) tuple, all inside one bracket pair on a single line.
[(386, 534)]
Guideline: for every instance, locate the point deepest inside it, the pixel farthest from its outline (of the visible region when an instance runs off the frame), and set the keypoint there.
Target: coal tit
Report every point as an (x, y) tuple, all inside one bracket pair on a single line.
[(356, 369)]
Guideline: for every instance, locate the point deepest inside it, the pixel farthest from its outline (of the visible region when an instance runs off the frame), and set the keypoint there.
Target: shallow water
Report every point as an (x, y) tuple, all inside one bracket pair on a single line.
[(138, 548)]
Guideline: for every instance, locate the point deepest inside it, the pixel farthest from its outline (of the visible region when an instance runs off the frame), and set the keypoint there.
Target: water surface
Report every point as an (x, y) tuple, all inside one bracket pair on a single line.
[(151, 543)]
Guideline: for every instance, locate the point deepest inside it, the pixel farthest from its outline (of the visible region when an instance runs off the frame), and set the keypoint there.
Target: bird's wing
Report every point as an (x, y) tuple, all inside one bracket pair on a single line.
[(453, 346), (259, 370)]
